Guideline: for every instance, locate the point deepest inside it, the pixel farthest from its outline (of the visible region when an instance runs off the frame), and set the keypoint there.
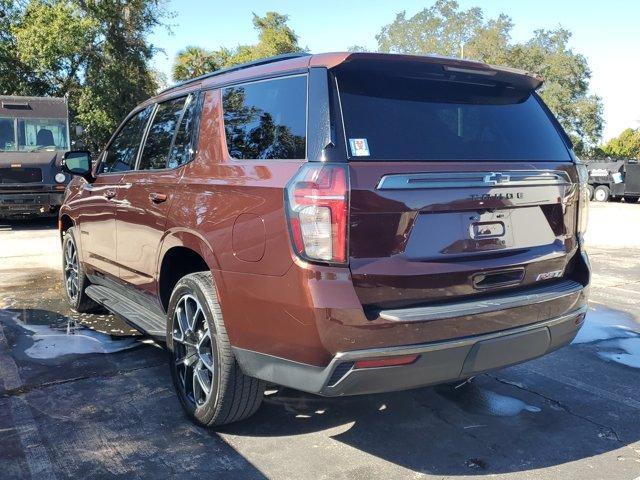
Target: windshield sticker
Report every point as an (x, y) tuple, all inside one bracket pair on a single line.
[(359, 147)]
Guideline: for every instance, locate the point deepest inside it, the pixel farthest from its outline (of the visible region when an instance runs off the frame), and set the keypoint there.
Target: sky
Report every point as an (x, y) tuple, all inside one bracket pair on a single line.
[(606, 33)]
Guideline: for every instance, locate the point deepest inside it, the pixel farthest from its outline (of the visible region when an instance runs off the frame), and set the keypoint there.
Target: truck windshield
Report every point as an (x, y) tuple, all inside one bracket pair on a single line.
[(7, 135), (389, 117), (42, 134)]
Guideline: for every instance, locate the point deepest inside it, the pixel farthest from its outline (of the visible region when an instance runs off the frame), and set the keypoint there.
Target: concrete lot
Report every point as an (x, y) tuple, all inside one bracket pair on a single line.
[(71, 409)]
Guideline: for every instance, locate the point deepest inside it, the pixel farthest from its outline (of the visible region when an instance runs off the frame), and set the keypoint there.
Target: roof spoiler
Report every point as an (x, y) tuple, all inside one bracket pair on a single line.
[(445, 67)]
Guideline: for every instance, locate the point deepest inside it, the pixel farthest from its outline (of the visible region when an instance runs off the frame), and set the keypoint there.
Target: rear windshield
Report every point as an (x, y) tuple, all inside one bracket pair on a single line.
[(399, 118)]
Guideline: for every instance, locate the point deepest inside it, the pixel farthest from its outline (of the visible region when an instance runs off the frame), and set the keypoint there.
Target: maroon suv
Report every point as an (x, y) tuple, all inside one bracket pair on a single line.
[(340, 224)]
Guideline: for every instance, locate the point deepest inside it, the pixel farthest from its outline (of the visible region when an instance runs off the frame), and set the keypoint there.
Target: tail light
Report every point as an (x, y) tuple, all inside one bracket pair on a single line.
[(317, 207), (583, 200)]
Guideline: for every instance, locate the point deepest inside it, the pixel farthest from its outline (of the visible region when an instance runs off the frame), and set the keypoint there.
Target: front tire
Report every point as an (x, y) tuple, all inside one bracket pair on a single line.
[(74, 279), (211, 387)]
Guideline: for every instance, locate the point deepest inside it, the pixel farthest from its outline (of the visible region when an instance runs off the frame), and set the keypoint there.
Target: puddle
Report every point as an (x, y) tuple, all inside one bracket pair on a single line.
[(480, 400), (55, 335), (616, 335)]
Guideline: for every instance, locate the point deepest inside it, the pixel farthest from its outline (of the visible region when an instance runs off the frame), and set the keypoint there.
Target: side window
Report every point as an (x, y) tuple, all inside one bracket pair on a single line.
[(183, 145), (7, 135), (266, 119), (122, 152), (161, 133)]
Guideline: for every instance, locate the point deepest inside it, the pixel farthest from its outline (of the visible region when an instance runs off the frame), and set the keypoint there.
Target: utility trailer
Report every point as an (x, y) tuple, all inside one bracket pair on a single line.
[(614, 180), (34, 134)]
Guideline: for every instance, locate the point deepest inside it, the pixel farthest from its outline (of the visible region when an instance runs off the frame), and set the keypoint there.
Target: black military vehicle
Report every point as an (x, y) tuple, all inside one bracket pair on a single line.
[(614, 180), (34, 134)]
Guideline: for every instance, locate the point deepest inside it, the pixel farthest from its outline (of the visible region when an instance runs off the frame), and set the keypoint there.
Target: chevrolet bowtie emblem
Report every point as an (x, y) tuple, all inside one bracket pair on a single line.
[(496, 178)]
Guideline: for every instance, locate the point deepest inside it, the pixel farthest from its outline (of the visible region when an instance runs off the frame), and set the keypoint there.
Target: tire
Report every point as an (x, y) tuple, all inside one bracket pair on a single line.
[(601, 193), (630, 199), (74, 280), (590, 190), (200, 353)]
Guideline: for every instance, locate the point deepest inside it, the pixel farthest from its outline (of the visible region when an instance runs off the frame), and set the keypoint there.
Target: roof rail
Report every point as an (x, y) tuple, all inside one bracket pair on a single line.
[(255, 63)]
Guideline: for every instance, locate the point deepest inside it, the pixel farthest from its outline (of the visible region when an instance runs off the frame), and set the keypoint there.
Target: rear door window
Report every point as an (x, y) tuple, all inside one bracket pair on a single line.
[(399, 118), (161, 133), (184, 144), (266, 119), (123, 150)]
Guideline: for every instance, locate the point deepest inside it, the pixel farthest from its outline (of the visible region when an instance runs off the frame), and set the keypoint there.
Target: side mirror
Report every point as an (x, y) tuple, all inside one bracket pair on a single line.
[(78, 162)]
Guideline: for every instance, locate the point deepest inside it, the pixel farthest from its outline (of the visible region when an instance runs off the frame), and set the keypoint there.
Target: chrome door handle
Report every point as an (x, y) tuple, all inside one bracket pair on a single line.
[(157, 197)]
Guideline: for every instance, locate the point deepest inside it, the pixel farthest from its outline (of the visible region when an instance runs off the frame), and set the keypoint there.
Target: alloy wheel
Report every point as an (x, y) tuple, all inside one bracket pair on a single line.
[(71, 279), (193, 351)]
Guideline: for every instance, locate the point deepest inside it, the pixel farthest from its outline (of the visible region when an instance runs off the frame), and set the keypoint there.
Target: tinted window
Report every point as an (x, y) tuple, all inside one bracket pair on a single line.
[(42, 134), (394, 118), (7, 135), (183, 145), (163, 127), (266, 119), (122, 152)]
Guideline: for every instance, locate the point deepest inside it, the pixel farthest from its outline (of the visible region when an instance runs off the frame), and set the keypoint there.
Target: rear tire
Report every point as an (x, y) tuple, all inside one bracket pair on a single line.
[(74, 279), (601, 193), (630, 199), (211, 387), (590, 190)]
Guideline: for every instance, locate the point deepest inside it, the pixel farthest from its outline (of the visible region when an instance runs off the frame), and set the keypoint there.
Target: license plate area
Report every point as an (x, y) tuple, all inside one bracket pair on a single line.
[(444, 234), (487, 230), (490, 229)]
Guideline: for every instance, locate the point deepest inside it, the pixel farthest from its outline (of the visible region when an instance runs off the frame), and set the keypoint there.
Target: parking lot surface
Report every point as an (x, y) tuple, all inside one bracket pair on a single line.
[(78, 402)]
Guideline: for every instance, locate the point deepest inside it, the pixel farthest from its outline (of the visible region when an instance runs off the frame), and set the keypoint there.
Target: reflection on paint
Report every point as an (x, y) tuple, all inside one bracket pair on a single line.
[(616, 334)]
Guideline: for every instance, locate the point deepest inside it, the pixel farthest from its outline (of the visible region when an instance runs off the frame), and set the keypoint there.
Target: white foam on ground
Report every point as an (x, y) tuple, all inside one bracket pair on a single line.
[(602, 323), (49, 342), (616, 335)]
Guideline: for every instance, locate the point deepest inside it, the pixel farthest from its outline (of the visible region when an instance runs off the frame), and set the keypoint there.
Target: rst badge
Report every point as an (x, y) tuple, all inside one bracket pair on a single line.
[(549, 275)]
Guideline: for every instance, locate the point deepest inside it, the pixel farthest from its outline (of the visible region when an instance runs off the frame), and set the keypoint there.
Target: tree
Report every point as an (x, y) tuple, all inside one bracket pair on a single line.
[(625, 145), (195, 61), (275, 37), (95, 53), (445, 29)]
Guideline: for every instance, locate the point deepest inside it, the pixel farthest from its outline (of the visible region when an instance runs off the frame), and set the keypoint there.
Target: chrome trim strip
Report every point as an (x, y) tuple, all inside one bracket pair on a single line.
[(531, 296), (517, 178)]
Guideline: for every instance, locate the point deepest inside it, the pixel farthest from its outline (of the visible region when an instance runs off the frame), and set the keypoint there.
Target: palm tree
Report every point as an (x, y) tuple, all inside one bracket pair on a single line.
[(193, 62)]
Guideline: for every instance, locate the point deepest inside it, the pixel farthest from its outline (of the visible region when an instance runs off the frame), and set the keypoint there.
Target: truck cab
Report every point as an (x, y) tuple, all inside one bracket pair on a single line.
[(34, 134)]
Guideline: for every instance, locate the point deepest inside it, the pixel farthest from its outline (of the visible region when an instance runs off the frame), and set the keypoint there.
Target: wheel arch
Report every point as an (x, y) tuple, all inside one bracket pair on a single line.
[(65, 222), (182, 252)]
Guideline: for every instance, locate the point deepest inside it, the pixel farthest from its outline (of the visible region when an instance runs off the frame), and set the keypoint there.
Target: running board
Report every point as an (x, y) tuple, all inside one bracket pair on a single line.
[(135, 314), (484, 305)]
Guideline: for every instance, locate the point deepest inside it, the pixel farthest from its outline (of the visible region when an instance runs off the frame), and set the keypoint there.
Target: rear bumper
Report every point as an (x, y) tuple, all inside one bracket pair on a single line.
[(438, 362), (31, 203)]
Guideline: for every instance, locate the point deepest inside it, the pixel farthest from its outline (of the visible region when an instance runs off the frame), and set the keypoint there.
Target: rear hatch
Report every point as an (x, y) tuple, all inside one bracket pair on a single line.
[(462, 184)]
